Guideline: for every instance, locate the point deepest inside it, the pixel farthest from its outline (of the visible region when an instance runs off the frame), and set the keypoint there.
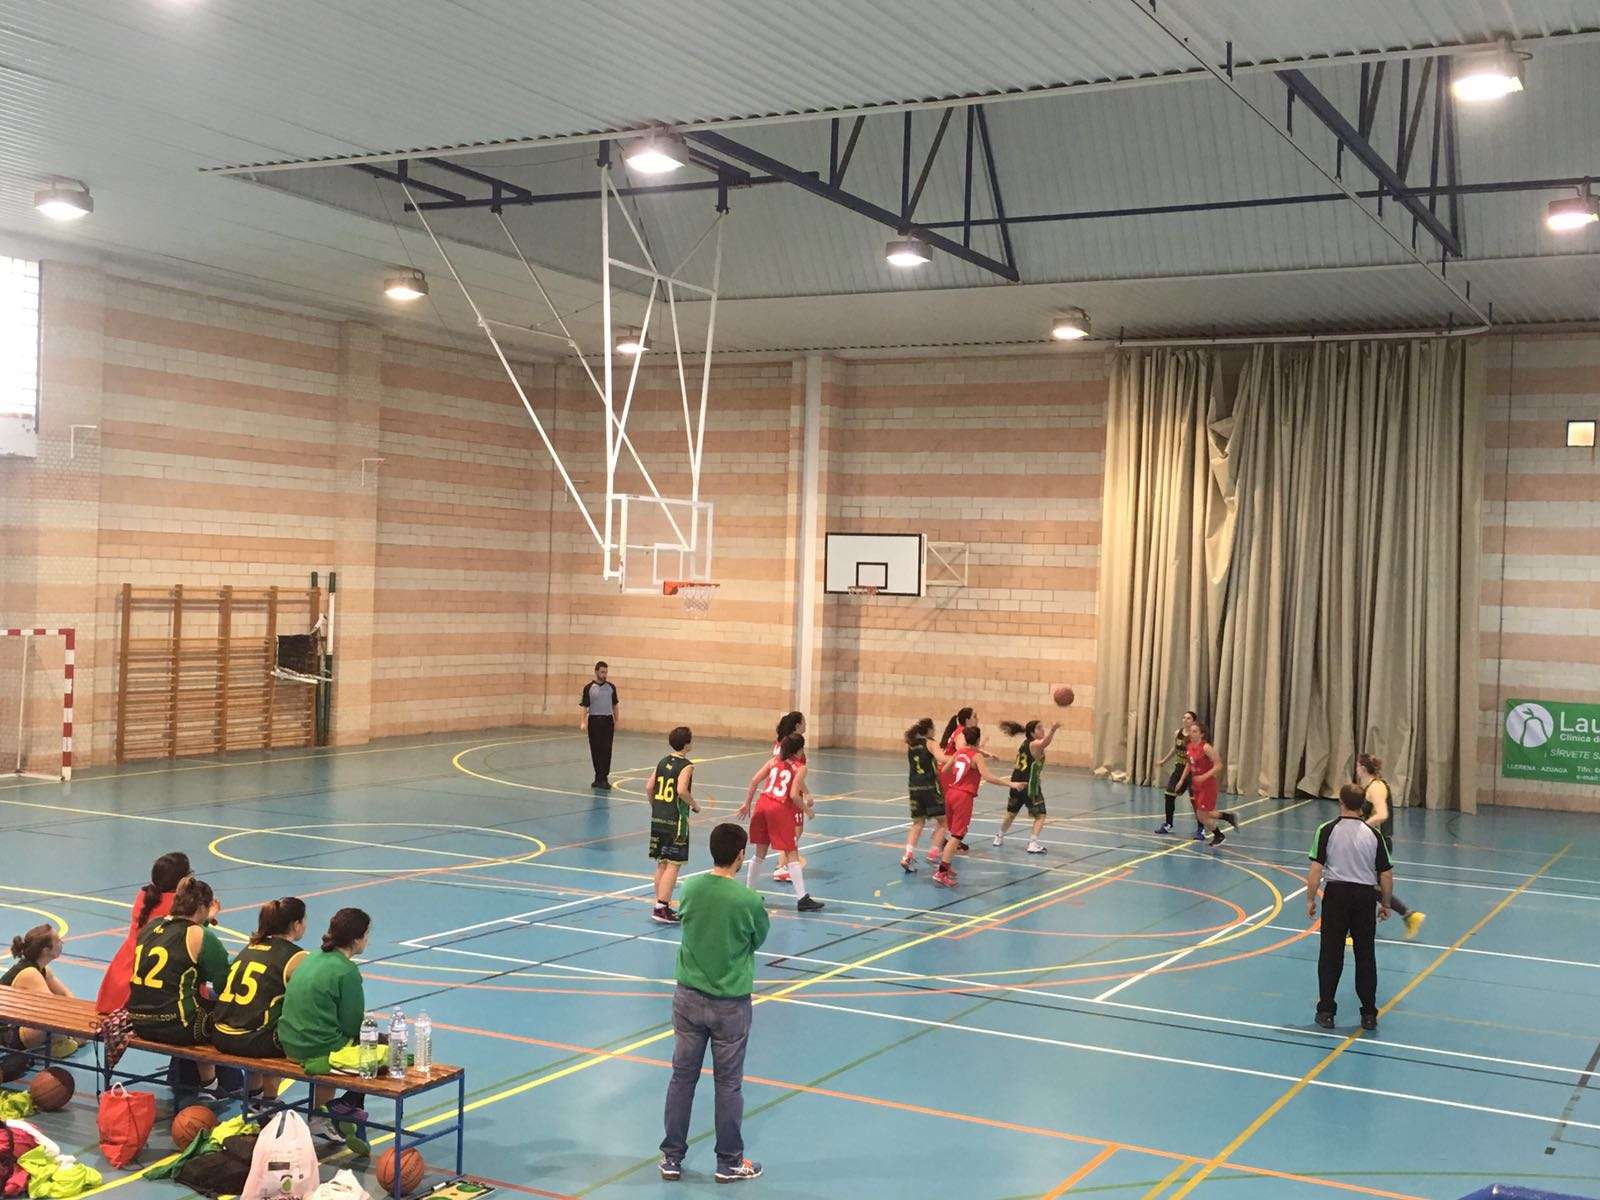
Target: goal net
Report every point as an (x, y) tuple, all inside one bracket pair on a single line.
[(36, 703)]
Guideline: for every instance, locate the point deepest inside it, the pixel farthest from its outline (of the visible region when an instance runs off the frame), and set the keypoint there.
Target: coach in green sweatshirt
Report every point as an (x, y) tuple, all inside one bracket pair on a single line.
[(324, 1001), (724, 924)]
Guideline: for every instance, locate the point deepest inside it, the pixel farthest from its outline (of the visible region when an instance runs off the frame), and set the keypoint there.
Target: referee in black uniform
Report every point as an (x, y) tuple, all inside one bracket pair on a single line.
[(599, 704), (1348, 860)]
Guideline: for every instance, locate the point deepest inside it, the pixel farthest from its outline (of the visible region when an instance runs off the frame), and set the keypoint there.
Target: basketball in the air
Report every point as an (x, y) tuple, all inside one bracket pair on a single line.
[(1064, 696), (51, 1089), (190, 1123), (410, 1171)]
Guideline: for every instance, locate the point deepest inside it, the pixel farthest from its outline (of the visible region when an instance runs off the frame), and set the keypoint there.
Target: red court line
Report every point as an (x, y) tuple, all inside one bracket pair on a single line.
[(1082, 1173), (944, 1114), (985, 927)]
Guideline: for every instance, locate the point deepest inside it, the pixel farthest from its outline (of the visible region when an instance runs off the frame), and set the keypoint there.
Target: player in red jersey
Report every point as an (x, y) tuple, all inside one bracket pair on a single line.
[(1202, 772), (792, 722), (776, 817), (967, 771), (949, 742)]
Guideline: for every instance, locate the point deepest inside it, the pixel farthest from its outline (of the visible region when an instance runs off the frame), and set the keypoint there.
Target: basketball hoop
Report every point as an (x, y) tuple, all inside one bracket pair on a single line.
[(863, 589), (697, 594)]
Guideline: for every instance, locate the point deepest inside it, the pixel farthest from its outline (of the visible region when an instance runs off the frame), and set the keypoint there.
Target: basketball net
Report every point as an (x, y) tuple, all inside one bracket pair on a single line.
[(697, 597)]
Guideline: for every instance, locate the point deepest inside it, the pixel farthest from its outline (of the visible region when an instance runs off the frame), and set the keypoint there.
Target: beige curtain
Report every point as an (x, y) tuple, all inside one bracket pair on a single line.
[(1341, 496)]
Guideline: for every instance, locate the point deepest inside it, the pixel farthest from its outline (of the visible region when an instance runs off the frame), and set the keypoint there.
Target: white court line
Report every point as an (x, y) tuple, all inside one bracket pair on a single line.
[(1200, 945), (1559, 962), (519, 919), (1184, 1062)]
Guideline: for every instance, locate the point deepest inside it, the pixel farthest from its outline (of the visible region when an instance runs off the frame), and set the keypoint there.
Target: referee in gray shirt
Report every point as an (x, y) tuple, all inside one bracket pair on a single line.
[(599, 720), (1348, 860)]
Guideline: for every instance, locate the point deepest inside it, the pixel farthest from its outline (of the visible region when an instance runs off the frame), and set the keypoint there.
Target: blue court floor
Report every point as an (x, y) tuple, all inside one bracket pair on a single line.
[(1128, 1015)]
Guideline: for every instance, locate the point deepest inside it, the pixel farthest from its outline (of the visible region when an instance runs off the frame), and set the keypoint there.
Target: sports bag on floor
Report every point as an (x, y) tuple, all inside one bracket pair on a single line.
[(284, 1165), (126, 1119)]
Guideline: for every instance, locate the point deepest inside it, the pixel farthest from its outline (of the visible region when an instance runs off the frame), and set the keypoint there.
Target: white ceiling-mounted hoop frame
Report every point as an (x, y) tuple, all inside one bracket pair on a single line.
[(667, 285)]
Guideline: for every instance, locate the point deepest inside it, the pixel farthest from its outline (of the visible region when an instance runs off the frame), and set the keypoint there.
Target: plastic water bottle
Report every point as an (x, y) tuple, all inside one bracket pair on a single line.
[(422, 1048), (368, 1057), (397, 1045)]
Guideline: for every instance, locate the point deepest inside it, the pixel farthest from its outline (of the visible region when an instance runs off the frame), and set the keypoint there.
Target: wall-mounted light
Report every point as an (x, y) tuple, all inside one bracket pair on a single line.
[(64, 199), (1580, 433), (1069, 325), (908, 251), (1572, 212), (407, 285)]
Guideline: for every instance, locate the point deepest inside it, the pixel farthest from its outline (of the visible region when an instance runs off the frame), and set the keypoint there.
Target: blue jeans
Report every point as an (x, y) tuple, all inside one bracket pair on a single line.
[(697, 1019)]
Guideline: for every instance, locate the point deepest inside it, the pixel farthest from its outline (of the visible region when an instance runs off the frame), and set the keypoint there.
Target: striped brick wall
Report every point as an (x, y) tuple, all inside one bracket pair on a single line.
[(1540, 611)]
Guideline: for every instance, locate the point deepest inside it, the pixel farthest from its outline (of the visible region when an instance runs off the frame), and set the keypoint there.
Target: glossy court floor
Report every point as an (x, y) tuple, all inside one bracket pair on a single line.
[(1127, 1016)]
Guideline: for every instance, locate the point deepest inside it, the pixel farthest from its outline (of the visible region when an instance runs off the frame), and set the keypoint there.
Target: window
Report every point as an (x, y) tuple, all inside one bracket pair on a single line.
[(19, 356)]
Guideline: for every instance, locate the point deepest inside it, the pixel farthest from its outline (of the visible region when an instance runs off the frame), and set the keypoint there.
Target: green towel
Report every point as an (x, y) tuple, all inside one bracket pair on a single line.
[(56, 1179), (14, 1104)]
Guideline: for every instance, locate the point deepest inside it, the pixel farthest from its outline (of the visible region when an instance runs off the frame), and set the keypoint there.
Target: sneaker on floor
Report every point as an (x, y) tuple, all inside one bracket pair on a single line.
[(807, 904), (1369, 1022), (1414, 920), (908, 864), (603, 784), (944, 877), (322, 1129), (1200, 833), (999, 839), (745, 1170), (348, 1108), (1035, 847), (1324, 1020), (1217, 837), (1163, 828), (781, 874), (663, 914), (671, 1169)]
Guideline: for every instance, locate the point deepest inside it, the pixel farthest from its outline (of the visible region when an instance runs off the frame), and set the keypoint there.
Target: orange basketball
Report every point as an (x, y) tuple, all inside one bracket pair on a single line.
[(190, 1122), (1064, 696), (51, 1089), (410, 1171)]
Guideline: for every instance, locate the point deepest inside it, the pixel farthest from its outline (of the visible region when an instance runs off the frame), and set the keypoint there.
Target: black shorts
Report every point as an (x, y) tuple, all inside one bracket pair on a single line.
[(259, 1043), (1021, 796), (667, 846), (1172, 781), (171, 1030), (927, 803)]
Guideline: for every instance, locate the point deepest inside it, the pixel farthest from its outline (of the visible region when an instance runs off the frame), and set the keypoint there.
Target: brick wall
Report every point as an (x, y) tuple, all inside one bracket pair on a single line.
[(1540, 612)]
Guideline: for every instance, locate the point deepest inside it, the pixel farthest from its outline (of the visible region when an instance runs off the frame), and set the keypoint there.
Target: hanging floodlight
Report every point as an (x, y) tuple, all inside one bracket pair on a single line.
[(657, 154), (1488, 74), (1069, 325), (407, 285), (631, 342), (64, 200), (908, 251), (1573, 212)]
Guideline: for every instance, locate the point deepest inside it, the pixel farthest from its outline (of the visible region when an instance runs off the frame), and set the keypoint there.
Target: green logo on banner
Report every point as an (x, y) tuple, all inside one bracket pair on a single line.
[(1551, 741)]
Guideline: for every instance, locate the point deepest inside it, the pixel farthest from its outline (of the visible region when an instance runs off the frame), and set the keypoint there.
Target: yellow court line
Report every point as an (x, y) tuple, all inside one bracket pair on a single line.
[(1167, 1180), (605, 1056), (27, 891), (59, 922), (1305, 1080)]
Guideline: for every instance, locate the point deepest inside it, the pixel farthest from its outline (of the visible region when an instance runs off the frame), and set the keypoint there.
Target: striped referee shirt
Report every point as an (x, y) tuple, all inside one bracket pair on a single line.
[(1350, 851)]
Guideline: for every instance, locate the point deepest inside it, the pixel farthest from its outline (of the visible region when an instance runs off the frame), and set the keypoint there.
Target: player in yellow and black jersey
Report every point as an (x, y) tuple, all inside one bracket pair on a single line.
[(671, 802), (174, 956), (245, 1021)]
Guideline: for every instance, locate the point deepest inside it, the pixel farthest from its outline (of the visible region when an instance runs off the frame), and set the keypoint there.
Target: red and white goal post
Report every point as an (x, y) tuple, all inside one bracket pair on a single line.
[(36, 668)]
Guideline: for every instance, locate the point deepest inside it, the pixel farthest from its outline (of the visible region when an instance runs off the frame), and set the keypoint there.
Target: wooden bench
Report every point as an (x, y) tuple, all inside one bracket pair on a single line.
[(78, 1019)]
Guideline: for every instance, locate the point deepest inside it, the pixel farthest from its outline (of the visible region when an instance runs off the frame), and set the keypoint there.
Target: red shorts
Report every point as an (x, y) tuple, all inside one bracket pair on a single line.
[(775, 825), (958, 815), (1204, 796)]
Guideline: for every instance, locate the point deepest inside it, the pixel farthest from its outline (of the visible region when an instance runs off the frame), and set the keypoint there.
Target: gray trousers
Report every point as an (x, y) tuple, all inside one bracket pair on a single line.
[(697, 1019)]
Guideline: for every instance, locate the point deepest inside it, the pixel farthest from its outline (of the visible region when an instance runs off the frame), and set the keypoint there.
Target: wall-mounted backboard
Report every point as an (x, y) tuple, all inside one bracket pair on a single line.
[(890, 562)]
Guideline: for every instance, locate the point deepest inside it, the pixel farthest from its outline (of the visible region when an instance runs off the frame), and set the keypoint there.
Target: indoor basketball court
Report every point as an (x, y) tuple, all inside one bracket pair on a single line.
[(1047, 460)]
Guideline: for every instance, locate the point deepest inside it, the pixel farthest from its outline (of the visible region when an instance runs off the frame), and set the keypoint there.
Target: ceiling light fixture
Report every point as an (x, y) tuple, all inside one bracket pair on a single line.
[(1487, 75), (908, 251), (1573, 212), (64, 200), (656, 154), (408, 284), (1069, 325), (631, 342)]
